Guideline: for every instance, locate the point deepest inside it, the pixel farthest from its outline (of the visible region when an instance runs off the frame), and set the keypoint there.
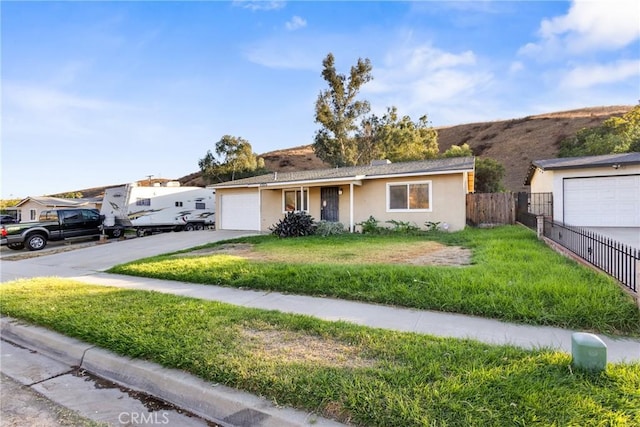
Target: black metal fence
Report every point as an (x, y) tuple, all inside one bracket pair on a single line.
[(540, 204), (528, 219), (616, 259), (530, 205)]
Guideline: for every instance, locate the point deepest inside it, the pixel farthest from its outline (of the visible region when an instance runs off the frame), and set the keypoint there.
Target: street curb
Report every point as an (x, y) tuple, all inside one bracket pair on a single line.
[(59, 347), (222, 405)]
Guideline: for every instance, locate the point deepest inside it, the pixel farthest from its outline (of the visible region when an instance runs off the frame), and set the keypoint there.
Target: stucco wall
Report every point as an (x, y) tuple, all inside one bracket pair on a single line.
[(542, 181), (447, 204)]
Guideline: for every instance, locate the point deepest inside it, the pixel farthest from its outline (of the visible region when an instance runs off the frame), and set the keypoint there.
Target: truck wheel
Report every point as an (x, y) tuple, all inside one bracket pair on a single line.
[(140, 232), (199, 227), (115, 233), (188, 227), (16, 246), (35, 242)]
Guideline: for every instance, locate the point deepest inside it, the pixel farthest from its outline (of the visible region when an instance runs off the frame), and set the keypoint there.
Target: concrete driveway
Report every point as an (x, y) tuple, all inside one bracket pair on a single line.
[(630, 236), (99, 257)]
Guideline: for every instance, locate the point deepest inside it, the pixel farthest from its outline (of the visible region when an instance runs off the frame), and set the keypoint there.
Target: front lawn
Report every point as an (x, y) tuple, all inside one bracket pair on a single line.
[(511, 276), (353, 374)]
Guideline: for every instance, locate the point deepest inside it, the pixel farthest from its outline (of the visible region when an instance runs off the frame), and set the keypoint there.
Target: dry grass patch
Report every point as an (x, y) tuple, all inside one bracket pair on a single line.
[(414, 253), (292, 347)]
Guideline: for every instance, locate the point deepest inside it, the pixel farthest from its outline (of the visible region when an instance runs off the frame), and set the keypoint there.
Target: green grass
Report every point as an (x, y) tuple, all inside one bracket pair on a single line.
[(350, 373), (513, 277)]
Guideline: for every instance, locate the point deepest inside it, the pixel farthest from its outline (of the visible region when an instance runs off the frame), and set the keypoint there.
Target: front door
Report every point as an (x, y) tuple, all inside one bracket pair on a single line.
[(329, 208)]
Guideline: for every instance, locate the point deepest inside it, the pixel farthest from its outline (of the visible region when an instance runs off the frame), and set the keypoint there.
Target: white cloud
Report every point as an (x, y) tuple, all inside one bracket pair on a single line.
[(588, 26), (296, 23), (259, 5), (303, 52), (427, 73), (273, 55), (425, 80), (31, 98), (516, 66), (591, 75)]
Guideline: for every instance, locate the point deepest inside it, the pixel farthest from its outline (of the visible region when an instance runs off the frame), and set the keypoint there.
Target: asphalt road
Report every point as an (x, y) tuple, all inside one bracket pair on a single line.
[(21, 406)]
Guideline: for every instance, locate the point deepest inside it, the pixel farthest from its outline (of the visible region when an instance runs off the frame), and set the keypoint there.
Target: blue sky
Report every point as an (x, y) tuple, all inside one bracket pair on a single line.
[(104, 93)]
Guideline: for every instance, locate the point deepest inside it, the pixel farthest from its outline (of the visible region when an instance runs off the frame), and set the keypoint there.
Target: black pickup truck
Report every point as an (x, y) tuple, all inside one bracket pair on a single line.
[(55, 224)]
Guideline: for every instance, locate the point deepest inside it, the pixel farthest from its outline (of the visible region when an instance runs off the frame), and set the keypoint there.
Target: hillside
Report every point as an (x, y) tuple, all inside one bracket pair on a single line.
[(514, 143)]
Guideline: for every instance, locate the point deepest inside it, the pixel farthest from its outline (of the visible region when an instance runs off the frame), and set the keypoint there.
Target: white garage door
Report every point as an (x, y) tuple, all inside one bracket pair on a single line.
[(602, 202), (239, 212)]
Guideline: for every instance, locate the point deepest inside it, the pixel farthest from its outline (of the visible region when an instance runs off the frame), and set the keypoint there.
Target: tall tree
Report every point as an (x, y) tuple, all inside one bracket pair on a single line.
[(401, 139), (337, 110), (458, 151), (488, 176), (615, 135), (234, 159)]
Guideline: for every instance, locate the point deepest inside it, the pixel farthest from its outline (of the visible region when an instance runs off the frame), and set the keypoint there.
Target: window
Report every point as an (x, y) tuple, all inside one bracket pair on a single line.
[(91, 215), (295, 200), (71, 215), (47, 215), (412, 196), (178, 204), (200, 205), (143, 202), (32, 215)]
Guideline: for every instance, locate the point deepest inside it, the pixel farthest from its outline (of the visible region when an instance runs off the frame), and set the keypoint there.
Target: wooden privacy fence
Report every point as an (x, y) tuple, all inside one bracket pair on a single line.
[(491, 208)]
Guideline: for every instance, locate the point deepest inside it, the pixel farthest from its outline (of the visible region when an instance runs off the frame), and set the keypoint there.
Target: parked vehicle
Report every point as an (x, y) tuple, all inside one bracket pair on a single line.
[(7, 219), (55, 224), (159, 208)]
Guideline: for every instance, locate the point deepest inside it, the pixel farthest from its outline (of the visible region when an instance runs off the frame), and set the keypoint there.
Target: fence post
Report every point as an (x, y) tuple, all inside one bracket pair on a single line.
[(540, 226)]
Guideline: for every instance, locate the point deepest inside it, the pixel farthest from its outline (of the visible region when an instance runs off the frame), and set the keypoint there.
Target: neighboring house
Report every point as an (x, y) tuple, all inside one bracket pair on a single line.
[(416, 192), (593, 191), (29, 208)]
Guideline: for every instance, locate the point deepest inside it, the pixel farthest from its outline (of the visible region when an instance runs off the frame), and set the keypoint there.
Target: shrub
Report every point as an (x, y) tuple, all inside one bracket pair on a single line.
[(404, 227), (371, 226), (326, 228), (294, 224), (432, 226)]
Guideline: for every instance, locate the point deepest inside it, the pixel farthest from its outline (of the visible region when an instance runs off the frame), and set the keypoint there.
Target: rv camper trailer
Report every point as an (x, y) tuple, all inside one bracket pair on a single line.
[(169, 207)]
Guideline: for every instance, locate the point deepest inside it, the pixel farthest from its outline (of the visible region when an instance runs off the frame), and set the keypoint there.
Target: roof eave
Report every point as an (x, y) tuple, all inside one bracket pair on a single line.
[(352, 178)]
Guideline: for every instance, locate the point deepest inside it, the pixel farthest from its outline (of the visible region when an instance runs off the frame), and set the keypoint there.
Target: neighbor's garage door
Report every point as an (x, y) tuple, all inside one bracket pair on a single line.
[(602, 202), (239, 212)]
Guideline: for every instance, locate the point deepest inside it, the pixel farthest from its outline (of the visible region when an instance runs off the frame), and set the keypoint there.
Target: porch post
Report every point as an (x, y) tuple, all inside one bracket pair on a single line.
[(259, 208), (351, 224)]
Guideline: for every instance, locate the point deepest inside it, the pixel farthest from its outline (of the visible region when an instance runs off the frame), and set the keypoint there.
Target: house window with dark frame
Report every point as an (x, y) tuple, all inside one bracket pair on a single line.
[(409, 197), (295, 200), (143, 202)]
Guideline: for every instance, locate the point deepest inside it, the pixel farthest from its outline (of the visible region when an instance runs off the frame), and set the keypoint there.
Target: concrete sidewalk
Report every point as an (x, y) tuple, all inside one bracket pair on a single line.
[(379, 316)]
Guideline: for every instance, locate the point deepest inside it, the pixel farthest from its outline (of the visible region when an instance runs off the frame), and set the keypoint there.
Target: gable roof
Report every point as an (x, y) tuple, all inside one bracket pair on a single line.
[(58, 202), (604, 161), (376, 171)]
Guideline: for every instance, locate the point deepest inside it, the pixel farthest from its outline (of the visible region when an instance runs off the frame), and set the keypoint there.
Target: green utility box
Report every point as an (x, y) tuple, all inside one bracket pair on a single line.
[(589, 352)]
